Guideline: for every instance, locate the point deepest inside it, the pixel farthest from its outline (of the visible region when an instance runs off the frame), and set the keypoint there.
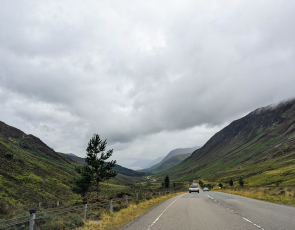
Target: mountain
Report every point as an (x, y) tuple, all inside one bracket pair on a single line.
[(179, 151), (117, 168), (161, 166), (153, 162), (71, 154), (259, 147), (145, 163), (30, 171), (171, 162)]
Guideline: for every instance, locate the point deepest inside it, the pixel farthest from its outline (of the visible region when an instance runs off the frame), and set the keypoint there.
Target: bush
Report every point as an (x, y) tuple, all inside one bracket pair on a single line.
[(231, 182), (122, 194), (201, 184), (9, 156), (241, 181)]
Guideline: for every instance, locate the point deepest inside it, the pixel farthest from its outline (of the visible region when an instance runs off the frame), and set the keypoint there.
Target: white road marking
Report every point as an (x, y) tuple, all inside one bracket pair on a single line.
[(242, 217), (161, 215), (253, 223)]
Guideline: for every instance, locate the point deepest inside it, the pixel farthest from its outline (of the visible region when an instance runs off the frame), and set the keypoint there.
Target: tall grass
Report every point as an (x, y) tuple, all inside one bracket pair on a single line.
[(280, 195), (118, 219)]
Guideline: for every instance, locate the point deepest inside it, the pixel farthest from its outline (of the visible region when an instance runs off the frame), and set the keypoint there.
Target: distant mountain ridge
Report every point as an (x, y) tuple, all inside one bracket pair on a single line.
[(145, 163), (182, 154), (117, 168), (259, 147)]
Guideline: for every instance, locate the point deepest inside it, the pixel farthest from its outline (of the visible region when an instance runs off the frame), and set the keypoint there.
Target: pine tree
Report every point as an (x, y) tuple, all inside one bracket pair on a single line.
[(82, 184), (97, 169), (96, 157), (167, 181)]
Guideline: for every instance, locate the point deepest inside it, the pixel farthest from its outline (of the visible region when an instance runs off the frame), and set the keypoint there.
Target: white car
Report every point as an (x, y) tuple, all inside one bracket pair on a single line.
[(194, 188), (206, 189)]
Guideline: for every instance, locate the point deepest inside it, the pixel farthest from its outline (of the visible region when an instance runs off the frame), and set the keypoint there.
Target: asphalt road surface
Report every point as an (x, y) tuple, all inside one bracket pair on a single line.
[(215, 210)]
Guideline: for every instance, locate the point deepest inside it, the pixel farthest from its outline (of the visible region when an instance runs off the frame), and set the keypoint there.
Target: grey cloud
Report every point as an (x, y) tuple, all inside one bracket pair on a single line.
[(131, 72)]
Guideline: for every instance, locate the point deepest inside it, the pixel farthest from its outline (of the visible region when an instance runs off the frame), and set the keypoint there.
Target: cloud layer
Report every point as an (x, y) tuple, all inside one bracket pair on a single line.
[(147, 76)]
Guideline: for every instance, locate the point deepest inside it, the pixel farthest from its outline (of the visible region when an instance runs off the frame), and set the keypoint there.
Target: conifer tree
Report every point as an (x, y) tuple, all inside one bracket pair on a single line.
[(82, 184), (97, 169), (167, 181), (96, 157)]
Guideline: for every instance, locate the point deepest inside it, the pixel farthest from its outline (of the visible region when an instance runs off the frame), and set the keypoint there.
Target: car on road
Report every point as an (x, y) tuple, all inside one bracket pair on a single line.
[(194, 188), (205, 189)]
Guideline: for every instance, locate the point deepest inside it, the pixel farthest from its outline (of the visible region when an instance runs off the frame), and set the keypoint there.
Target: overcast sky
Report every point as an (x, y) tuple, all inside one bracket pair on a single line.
[(148, 76)]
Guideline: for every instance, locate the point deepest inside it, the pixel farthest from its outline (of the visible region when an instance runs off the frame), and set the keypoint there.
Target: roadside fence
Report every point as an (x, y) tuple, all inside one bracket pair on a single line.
[(29, 221)]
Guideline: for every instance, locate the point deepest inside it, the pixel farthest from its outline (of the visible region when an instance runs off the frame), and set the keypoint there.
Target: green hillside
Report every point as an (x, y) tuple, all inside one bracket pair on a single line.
[(259, 147), (30, 171)]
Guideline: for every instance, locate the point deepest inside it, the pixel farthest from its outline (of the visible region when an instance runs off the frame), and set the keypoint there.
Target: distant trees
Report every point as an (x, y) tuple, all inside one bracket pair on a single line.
[(167, 181), (231, 182), (220, 185), (241, 181), (201, 184), (97, 169)]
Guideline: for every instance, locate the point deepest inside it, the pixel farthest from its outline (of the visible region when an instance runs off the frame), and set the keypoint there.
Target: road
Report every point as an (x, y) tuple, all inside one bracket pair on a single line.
[(215, 210)]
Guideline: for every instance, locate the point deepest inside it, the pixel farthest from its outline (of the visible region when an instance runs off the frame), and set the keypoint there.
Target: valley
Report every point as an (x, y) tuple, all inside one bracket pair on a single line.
[(259, 148)]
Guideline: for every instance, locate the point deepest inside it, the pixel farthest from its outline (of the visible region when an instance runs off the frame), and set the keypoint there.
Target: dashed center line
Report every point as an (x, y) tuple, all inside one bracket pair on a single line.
[(233, 211)]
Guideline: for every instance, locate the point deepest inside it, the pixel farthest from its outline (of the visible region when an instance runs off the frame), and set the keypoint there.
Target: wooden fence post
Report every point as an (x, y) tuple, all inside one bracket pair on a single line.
[(111, 205), (32, 219), (85, 210)]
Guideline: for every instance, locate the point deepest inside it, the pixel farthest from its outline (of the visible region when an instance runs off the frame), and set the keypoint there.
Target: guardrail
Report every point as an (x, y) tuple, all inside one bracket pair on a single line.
[(30, 220)]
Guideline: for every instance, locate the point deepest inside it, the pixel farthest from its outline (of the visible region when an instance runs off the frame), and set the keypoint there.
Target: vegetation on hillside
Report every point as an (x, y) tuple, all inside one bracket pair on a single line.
[(259, 147)]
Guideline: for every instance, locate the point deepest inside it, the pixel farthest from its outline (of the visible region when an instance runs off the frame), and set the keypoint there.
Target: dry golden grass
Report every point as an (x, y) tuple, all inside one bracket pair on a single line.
[(280, 195), (118, 219)]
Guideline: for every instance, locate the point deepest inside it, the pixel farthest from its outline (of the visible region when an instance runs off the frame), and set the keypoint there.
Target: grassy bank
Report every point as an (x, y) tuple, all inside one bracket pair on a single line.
[(118, 219), (280, 195)]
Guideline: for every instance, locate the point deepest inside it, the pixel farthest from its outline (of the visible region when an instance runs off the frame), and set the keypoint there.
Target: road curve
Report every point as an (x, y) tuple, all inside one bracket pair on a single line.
[(215, 210)]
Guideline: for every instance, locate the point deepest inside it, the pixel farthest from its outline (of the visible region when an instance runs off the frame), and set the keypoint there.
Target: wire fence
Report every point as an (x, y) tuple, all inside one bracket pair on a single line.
[(29, 221)]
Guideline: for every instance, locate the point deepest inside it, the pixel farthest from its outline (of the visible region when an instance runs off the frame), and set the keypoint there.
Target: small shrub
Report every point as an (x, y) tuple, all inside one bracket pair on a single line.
[(241, 181), (122, 194), (3, 207), (231, 182), (9, 156)]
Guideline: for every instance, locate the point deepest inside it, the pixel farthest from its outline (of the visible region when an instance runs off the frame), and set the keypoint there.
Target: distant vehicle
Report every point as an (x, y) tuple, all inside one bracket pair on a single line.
[(206, 189), (194, 188)]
